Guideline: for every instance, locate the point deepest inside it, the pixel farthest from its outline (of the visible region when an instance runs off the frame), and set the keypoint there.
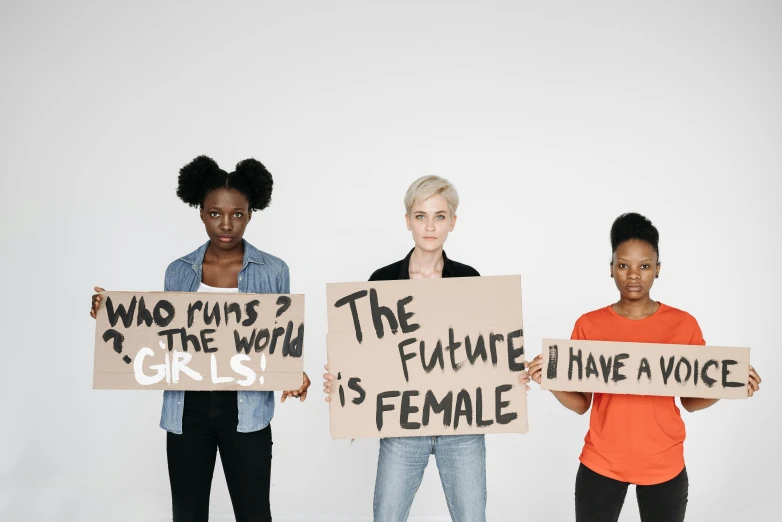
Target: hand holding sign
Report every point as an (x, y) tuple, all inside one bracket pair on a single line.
[(96, 298)]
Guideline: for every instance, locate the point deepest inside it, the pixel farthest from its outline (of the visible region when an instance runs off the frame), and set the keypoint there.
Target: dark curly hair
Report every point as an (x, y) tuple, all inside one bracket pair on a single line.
[(202, 175), (634, 226)]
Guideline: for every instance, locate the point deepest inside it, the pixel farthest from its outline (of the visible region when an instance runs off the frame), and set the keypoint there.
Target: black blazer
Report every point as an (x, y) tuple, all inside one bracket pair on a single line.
[(400, 269)]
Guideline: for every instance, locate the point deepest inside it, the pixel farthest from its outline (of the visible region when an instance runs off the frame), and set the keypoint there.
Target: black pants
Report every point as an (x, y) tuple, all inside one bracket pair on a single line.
[(600, 499), (209, 422)]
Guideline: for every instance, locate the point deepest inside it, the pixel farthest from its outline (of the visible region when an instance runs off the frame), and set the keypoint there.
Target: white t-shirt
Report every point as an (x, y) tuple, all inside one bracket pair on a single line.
[(206, 288)]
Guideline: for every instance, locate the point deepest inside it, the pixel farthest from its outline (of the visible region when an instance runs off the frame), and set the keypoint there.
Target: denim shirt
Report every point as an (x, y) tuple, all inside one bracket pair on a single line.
[(261, 273)]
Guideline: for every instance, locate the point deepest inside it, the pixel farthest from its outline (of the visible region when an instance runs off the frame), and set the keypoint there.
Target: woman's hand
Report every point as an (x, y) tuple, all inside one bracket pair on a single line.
[(535, 368), (754, 382), (524, 376), (327, 383), (96, 302), (301, 393)]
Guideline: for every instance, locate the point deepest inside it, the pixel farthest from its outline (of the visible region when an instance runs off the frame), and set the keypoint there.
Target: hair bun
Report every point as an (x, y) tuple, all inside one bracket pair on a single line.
[(253, 178), (197, 178)]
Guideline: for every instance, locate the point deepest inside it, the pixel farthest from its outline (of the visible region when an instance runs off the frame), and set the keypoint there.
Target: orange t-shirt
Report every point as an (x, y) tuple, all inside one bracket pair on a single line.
[(636, 438)]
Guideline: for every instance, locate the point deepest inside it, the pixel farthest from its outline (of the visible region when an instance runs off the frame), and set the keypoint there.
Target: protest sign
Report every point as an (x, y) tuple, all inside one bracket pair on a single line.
[(199, 341), (677, 370), (426, 357)]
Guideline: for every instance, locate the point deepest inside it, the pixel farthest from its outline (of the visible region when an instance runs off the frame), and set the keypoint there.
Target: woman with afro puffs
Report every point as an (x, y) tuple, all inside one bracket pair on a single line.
[(199, 423), (634, 439)]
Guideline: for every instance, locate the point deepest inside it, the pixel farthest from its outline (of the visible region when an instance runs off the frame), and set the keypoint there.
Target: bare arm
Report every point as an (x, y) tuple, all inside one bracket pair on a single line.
[(695, 404)]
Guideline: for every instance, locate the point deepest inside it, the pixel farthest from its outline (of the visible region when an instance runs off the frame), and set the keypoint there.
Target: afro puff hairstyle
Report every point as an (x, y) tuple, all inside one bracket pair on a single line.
[(202, 175), (634, 226)]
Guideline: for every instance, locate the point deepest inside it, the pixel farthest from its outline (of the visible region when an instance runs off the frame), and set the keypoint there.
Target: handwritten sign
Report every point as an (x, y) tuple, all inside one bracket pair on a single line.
[(426, 357), (712, 372), (199, 341)]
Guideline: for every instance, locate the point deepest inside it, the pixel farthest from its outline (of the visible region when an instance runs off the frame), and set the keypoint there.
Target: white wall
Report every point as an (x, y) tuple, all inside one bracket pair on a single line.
[(551, 120)]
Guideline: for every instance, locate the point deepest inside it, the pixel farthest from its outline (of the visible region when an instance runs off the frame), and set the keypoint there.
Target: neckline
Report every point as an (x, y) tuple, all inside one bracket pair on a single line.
[(655, 314)]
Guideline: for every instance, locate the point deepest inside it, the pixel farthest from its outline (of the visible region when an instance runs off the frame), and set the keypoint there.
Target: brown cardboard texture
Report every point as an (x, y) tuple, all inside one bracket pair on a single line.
[(199, 341), (426, 357), (676, 370)]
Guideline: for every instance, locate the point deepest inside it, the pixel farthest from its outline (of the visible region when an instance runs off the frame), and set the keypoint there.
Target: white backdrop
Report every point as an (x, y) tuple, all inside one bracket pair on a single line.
[(550, 119)]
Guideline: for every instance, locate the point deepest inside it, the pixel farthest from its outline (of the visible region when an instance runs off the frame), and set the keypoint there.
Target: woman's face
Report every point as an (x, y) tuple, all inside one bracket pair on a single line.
[(430, 221), (225, 214), (634, 269)]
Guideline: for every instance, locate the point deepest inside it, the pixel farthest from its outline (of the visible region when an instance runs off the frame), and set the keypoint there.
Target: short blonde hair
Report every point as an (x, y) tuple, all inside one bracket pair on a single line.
[(428, 186)]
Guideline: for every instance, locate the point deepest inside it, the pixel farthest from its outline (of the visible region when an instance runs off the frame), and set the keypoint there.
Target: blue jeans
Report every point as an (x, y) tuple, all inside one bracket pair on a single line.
[(461, 461)]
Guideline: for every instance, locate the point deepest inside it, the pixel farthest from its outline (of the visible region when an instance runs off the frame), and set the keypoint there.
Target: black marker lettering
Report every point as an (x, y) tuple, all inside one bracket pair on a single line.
[(249, 310), (515, 353), (479, 410), (116, 336), (120, 312), (406, 409), (214, 316), (191, 310), (163, 306), (437, 357), (666, 370), (354, 384), (480, 350), (644, 368), (378, 312), (606, 366), (384, 407), (242, 343), (726, 371), (618, 358), (452, 347), (591, 367), (404, 316), (284, 302), (144, 315), (445, 407), (262, 340), (576, 359), (276, 333), (232, 308), (406, 356), (493, 339), (463, 408), (499, 404), (351, 300), (708, 381), (206, 340)]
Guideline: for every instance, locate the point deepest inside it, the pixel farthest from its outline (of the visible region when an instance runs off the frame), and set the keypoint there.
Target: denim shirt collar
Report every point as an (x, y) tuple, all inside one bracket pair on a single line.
[(196, 258)]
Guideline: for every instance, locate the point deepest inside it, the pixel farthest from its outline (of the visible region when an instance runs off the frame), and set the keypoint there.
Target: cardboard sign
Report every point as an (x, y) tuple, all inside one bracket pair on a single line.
[(426, 357), (677, 370), (199, 341)]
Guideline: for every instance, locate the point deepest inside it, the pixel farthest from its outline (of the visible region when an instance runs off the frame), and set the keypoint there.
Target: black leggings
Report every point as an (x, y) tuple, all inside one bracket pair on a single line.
[(209, 422), (600, 499)]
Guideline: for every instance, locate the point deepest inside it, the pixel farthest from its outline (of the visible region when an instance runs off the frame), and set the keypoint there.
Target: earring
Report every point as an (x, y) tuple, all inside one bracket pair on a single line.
[(657, 276)]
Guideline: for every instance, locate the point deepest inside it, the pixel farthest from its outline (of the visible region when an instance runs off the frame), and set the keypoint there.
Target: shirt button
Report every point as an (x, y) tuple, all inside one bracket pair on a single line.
[(194, 267), (240, 400), (179, 402), (240, 278)]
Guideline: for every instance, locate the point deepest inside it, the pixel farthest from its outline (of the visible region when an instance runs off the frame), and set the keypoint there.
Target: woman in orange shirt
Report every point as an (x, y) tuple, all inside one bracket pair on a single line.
[(633, 439)]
